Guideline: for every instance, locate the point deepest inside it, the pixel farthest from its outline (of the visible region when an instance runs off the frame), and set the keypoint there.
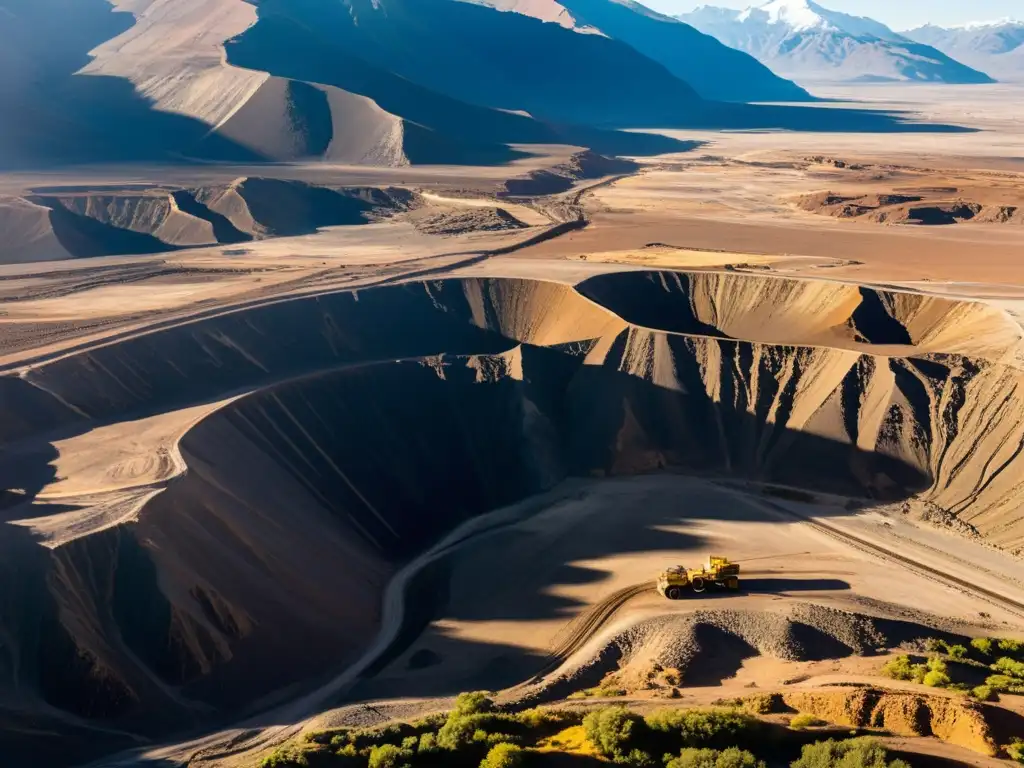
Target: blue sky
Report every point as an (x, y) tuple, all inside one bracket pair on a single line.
[(899, 14)]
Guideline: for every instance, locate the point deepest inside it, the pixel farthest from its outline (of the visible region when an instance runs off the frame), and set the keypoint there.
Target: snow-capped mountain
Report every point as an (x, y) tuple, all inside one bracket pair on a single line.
[(995, 47), (806, 41)]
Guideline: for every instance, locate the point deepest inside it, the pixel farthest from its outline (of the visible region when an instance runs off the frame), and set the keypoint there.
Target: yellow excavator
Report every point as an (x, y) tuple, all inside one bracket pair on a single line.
[(674, 582)]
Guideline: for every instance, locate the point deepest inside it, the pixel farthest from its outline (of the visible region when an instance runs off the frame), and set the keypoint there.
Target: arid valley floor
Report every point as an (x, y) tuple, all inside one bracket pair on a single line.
[(801, 350)]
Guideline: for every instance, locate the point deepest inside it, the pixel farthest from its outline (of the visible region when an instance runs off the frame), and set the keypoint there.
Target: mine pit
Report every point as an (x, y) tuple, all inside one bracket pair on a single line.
[(332, 440)]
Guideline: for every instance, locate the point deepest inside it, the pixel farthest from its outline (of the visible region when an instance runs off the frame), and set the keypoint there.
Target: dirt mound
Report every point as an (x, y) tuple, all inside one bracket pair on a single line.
[(705, 647), (339, 463), (562, 177), (952, 719), (474, 220), (931, 207)]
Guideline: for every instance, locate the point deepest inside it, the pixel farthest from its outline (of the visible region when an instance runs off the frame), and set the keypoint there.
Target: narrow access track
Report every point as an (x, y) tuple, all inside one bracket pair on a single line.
[(1008, 603)]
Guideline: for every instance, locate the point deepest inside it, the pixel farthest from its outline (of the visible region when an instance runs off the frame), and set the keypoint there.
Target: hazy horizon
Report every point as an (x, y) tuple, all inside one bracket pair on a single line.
[(903, 15)]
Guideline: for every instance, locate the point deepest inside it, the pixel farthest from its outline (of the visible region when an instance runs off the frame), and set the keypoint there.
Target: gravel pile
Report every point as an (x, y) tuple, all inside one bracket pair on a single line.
[(706, 646)]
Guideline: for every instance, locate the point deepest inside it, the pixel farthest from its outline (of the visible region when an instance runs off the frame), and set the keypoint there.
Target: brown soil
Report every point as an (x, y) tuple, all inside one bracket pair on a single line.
[(952, 719)]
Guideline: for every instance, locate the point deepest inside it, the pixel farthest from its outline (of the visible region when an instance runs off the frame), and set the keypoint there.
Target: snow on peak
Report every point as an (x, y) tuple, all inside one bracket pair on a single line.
[(797, 14), (1004, 22)]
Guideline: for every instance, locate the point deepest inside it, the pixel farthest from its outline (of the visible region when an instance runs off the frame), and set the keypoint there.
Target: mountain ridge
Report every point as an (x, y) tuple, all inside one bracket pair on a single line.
[(806, 41), (996, 47)]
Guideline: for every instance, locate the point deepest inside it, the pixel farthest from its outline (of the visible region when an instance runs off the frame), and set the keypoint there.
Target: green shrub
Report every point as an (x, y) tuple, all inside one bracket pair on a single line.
[(1015, 751), (934, 645), (390, 756), (982, 645), (763, 703), (702, 727), (285, 757), (472, 703), (805, 720), (956, 651), (428, 744), (852, 753), (711, 758), (1004, 684), (937, 675), (636, 758), (503, 756), (544, 718), (983, 692), (456, 733), (394, 734), (899, 668), (430, 722), (600, 692), (611, 730), (1007, 666), (1011, 646)]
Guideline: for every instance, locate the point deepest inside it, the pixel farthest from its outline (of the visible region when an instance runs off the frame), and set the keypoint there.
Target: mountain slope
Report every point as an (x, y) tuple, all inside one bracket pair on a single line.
[(802, 39), (120, 80), (995, 47), (713, 69), (498, 60)]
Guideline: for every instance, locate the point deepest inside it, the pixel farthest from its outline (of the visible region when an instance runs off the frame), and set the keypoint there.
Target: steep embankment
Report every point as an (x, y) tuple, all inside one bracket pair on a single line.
[(355, 427), (153, 219)]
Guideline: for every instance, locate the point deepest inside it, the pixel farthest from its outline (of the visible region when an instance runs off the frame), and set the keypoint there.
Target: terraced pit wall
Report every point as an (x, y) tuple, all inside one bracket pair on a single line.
[(355, 428)]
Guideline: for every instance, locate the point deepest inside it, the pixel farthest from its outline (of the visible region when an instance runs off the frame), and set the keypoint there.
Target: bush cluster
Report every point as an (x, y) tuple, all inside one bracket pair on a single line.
[(1015, 751), (472, 734), (852, 753), (713, 758), (805, 720), (628, 739), (286, 757), (934, 673)]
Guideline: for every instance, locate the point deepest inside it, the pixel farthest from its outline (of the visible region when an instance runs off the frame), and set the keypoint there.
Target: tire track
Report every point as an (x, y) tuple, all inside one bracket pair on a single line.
[(584, 627)]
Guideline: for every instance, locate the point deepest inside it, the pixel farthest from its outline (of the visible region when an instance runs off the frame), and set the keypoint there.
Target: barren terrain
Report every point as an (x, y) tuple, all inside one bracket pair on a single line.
[(294, 446)]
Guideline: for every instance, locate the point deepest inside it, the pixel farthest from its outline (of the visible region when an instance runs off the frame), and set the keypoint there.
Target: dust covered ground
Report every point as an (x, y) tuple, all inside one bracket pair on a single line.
[(487, 407)]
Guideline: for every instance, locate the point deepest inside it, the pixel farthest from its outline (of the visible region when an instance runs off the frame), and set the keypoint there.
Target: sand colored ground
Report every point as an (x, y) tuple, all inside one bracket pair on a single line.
[(178, 433)]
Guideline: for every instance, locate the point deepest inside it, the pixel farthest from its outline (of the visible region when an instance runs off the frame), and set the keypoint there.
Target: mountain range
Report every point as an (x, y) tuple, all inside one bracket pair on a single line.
[(808, 42), (996, 47), (382, 82)]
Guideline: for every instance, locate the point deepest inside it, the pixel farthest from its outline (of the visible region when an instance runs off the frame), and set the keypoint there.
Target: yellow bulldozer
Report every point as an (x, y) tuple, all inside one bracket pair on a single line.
[(674, 582)]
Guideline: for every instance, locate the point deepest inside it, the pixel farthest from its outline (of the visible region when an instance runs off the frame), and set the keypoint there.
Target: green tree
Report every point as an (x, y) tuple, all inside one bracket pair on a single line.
[(611, 730), (285, 757), (956, 651), (899, 668), (1007, 666), (702, 727), (503, 756), (982, 645), (390, 756), (472, 703), (456, 733)]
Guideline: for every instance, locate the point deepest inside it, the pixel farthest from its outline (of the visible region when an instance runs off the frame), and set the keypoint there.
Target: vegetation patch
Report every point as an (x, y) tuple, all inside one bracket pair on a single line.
[(852, 753)]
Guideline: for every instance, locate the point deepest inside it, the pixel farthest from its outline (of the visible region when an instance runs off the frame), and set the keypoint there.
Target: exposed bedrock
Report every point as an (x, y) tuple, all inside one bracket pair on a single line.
[(152, 219), (349, 431)]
